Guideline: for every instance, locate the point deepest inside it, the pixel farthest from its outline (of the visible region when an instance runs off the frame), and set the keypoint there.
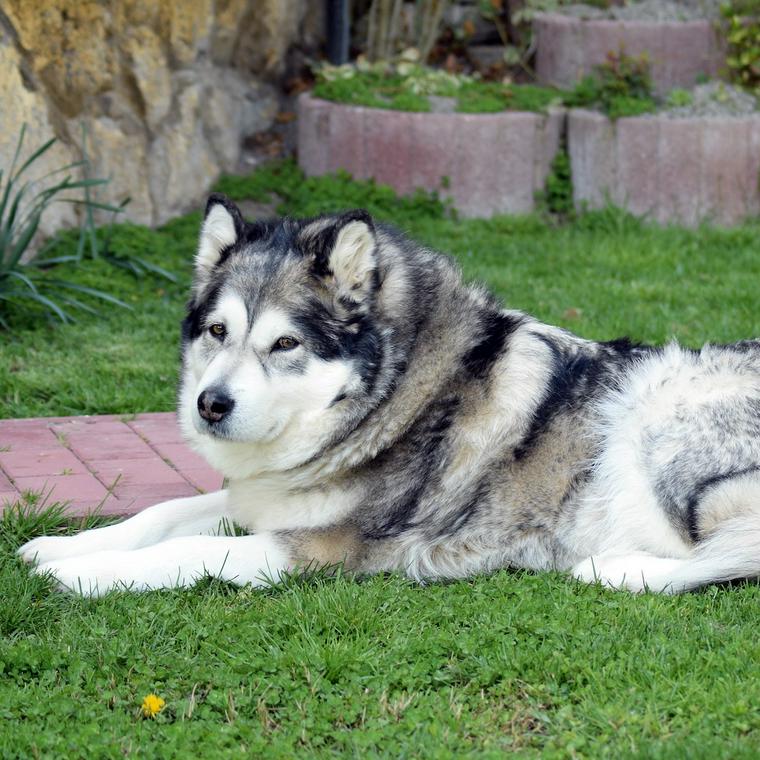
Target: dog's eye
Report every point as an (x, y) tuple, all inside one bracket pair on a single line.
[(218, 330), (286, 343)]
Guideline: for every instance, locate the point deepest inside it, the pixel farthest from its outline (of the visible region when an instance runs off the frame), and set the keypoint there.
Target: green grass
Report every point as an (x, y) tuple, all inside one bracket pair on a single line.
[(381, 667)]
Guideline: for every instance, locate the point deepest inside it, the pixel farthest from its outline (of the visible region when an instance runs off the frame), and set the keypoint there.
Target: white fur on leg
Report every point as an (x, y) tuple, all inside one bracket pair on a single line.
[(178, 562), (170, 519), (635, 572)]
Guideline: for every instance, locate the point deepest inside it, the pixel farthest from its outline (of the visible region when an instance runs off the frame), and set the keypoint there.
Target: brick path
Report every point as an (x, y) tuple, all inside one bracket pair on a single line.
[(80, 459)]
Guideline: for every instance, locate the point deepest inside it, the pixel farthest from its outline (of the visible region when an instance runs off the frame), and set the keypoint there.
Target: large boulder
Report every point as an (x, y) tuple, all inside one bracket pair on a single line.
[(162, 94)]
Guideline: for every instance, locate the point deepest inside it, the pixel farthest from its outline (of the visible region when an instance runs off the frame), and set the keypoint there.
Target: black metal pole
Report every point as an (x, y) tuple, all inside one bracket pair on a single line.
[(338, 23)]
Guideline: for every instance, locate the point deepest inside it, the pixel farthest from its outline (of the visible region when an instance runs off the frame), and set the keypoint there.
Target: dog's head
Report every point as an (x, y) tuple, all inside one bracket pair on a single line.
[(279, 336)]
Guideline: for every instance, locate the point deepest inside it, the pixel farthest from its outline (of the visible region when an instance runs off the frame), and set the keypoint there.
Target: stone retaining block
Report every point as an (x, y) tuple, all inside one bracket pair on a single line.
[(494, 162), (673, 170), (568, 48)]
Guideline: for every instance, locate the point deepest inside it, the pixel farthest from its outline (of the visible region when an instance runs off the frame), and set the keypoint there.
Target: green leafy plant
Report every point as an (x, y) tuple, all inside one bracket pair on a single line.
[(742, 31), (679, 98), (557, 195), (621, 86), (25, 279)]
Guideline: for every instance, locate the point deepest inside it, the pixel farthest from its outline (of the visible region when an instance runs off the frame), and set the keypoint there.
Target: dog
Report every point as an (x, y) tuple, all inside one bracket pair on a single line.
[(369, 409)]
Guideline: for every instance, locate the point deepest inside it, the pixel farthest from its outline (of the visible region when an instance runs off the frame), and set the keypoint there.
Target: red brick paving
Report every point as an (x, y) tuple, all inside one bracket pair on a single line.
[(121, 464)]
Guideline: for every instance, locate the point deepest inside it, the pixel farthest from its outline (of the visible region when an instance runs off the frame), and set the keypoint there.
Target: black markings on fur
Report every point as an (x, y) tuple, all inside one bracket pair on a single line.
[(495, 330), (577, 376), (462, 515), (193, 323), (423, 451), (700, 491)]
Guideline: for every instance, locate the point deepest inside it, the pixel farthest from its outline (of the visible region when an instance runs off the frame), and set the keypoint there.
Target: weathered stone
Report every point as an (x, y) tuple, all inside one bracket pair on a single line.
[(181, 160), (118, 154), (166, 91), (22, 106), (151, 74), (270, 27), (235, 107)]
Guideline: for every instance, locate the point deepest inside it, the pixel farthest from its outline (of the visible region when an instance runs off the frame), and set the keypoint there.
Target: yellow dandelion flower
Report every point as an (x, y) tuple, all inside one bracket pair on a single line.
[(152, 705)]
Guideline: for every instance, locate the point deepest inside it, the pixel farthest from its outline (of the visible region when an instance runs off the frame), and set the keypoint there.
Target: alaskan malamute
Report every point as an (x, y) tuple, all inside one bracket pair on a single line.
[(369, 408)]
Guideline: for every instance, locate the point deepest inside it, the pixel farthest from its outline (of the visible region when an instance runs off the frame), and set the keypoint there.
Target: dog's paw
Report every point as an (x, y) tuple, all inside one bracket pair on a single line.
[(48, 549), (637, 572), (91, 575)]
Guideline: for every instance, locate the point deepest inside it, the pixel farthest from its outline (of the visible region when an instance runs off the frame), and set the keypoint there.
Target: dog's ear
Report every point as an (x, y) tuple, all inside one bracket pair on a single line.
[(222, 226), (343, 253)]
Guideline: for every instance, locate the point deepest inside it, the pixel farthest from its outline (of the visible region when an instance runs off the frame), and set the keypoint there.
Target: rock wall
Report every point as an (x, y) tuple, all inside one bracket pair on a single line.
[(166, 91)]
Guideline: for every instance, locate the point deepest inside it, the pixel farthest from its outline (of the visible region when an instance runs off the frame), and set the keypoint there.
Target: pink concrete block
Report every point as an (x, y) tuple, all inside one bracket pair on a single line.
[(207, 481), (134, 472), (23, 438), (156, 492), (692, 50), (157, 428), (637, 165), (8, 498), (753, 167), (435, 138), (5, 484), (679, 159), (591, 145), (569, 48), (313, 135), (559, 50), (347, 141), (388, 152), (180, 455), (30, 462), (725, 144), (599, 39), (64, 487), (126, 445)]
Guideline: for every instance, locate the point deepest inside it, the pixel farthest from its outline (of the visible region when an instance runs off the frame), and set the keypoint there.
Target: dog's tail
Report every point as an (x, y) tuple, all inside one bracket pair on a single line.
[(732, 552)]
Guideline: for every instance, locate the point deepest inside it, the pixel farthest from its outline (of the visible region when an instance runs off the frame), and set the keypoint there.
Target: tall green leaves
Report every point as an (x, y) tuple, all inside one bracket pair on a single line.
[(24, 283)]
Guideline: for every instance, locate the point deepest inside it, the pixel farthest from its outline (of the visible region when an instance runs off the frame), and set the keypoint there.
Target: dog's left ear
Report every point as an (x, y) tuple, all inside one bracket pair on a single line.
[(222, 226), (344, 254)]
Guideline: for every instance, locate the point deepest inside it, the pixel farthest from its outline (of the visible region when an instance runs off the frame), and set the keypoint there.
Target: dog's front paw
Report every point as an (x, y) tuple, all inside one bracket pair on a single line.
[(91, 575), (48, 549)]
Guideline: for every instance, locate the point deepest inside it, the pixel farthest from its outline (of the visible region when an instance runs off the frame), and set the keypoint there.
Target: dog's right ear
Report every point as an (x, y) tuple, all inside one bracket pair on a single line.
[(222, 226)]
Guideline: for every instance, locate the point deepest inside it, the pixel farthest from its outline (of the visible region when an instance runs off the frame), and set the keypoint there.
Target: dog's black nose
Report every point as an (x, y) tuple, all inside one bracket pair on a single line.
[(214, 404)]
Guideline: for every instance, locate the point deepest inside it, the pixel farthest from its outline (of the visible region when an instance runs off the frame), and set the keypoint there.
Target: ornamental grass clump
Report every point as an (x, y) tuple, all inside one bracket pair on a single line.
[(25, 272)]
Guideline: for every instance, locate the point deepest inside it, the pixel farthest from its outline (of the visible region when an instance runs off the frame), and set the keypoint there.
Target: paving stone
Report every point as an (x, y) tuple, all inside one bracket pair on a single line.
[(109, 446), (64, 487), (23, 438), (134, 472), (30, 462)]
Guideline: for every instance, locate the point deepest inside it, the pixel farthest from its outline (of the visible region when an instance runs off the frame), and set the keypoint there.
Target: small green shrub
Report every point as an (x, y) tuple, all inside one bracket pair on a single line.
[(742, 30), (557, 195), (622, 86), (679, 98)]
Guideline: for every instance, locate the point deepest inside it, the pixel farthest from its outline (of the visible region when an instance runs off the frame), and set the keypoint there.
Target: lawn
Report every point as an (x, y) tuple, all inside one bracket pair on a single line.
[(381, 667)]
